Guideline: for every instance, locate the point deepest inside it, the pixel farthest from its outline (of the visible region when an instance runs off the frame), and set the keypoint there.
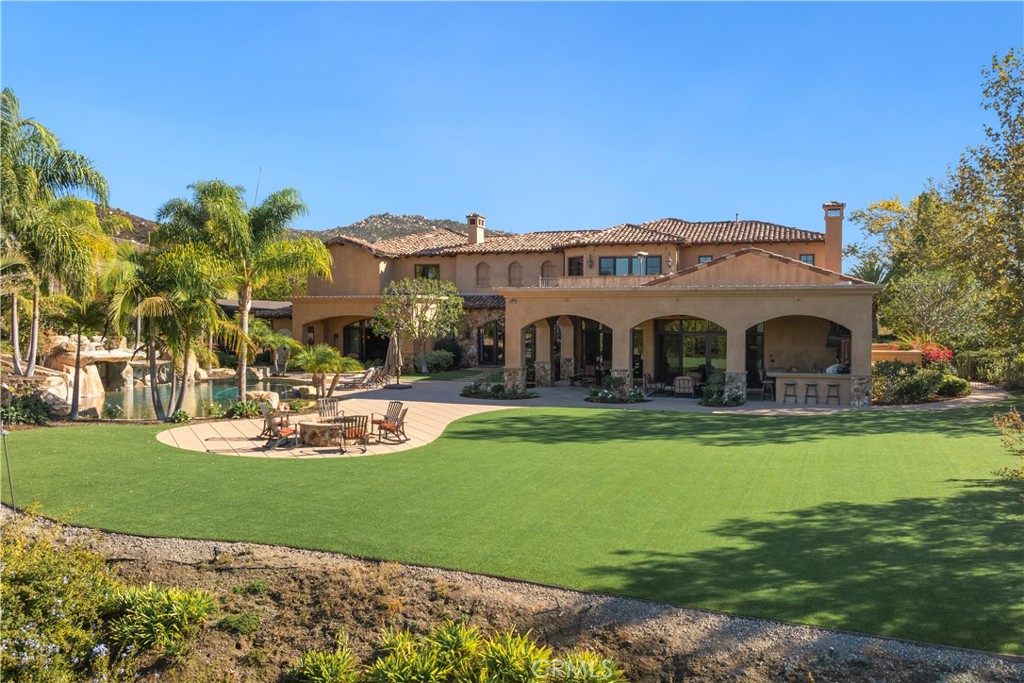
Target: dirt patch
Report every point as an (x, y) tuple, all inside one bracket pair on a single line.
[(304, 598)]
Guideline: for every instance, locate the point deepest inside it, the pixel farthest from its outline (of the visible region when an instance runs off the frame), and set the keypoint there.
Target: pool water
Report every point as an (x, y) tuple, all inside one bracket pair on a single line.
[(137, 404)]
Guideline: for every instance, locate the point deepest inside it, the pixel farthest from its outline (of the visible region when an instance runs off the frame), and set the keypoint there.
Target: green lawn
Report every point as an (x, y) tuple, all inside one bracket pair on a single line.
[(888, 523)]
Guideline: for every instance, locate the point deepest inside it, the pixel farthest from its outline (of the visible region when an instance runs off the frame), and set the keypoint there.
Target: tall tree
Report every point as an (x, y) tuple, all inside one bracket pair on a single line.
[(420, 309), (35, 173), (252, 240), (988, 193)]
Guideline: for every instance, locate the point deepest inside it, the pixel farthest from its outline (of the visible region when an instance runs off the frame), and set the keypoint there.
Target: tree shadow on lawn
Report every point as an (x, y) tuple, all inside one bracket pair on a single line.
[(594, 426), (941, 570)]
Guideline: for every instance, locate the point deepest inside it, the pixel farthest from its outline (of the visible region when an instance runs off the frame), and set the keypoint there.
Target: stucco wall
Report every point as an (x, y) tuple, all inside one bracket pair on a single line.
[(354, 271), (799, 341), (691, 255)]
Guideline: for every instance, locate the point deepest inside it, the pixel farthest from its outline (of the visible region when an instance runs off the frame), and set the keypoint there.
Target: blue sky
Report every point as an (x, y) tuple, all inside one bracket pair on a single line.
[(540, 116)]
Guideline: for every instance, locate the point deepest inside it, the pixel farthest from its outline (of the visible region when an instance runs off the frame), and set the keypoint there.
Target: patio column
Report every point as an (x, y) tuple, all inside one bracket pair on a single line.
[(648, 330), (736, 359), (515, 371), (542, 354), (568, 343), (622, 355), (860, 358)]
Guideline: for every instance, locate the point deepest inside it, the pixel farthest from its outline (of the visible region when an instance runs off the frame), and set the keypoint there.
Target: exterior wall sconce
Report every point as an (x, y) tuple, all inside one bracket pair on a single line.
[(590, 261), (669, 261)]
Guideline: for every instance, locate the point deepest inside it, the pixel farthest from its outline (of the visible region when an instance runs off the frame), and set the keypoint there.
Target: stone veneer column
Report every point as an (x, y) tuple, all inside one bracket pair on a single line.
[(568, 343), (860, 390), (515, 379), (542, 354), (627, 375), (736, 383)]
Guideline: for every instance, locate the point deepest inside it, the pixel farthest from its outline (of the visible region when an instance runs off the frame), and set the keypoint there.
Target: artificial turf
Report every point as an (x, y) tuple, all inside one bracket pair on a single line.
[(889, 523)]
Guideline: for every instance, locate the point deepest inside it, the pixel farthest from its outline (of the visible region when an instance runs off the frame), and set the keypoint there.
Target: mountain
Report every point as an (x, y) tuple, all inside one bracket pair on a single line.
[(384, 225), (141, 227)]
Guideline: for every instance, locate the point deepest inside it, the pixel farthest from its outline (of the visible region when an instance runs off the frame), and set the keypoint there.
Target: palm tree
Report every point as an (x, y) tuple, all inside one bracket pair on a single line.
[(35, 173), (80, 316), (871, 269), (251, 239), (319, 359), (265, 339)]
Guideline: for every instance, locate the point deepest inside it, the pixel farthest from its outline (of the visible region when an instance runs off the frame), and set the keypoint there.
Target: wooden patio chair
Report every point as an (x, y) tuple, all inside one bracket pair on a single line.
[(354, 429), (388, 431), (280, 435), (390, 415), (271, 418), (327, 409), (589, 374)]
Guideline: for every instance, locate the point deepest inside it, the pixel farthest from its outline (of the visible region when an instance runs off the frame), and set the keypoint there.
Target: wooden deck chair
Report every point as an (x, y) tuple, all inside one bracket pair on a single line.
[(651, 386), (270, 418), (684, 384), (393, 430), (391, 415), (280, 435), (354, 429)]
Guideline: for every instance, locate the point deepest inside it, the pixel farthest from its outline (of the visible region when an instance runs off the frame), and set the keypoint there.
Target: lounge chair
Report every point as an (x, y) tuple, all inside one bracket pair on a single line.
[(354, 428), (393, 430), (360, 381), (391, 415)]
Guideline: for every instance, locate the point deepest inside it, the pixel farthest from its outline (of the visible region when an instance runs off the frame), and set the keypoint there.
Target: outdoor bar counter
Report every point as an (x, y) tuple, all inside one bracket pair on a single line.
[(802, 378)]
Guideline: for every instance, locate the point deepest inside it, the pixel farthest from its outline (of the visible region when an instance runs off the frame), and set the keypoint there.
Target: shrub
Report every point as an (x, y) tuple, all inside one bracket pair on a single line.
[(243, 410), (156, 618), (250, 588), (180, 417), (897, 382), (210, 409), (242, 624), (611, 390), (112, 411), (52, 597), (27, 409), (1011, 426), (334, 666), (483, 389), (513, 657), (299, 404), (226, 360), (257, 658), (951, 385), (438, 360), (451, 345)]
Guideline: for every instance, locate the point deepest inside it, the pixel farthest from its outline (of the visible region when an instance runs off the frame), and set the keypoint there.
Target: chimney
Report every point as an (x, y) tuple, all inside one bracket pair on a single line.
[(833, 236), (476, 228)]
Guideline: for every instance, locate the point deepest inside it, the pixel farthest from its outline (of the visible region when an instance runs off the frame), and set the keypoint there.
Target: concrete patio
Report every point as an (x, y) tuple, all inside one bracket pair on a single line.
[(435, 405)]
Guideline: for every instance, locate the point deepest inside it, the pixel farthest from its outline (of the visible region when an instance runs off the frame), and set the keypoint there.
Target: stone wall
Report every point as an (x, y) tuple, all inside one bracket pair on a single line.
[(475, 317), (736, 384), (860, 390), (515, 379)]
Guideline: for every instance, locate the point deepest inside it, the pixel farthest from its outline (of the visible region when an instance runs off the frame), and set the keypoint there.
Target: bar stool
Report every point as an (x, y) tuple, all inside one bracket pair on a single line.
[(811, 389), (789, 391), (832, 393), (767, 389)]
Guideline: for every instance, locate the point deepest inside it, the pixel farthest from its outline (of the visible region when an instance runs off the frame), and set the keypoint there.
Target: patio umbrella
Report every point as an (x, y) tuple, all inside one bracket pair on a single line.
[(393, 360)]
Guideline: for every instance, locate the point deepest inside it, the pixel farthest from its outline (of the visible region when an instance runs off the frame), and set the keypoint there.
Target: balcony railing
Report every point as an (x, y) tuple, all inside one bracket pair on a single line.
[(595, 281)]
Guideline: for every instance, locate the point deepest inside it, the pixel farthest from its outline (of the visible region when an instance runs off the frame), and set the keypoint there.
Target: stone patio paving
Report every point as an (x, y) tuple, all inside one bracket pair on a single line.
[(435, 405)]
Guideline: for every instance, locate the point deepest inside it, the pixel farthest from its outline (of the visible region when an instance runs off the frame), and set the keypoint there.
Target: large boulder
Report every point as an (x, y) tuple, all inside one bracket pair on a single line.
[(200, 375), (117, 375), (305, 391), (270, 397)]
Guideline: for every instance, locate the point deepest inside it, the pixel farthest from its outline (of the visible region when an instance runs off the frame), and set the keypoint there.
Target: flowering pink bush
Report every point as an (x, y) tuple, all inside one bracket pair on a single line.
[(933, 352)]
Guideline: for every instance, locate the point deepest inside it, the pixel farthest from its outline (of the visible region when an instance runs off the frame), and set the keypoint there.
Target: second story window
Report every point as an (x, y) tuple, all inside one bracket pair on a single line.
[(807, 258), (483, 275), (629, 265), (703, 259), (548, 270), (575, 265), (515, 274), (428, 271)]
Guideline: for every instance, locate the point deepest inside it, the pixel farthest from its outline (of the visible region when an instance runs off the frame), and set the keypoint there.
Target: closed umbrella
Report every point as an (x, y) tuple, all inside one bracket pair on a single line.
[(393, 361)]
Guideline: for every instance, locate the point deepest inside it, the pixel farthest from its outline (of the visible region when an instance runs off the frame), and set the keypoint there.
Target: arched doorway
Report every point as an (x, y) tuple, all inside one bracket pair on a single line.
[(360, 342), (688, 345)]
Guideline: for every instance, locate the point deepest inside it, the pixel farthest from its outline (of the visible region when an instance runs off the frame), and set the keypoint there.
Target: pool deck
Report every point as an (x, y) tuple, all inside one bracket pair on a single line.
[(435, 405)]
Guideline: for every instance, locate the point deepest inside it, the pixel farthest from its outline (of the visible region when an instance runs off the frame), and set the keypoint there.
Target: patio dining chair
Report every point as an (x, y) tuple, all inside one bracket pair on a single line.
[(391, 415), (651, 385), (388, 431), (684, 384), (354, 429), (327, 409)]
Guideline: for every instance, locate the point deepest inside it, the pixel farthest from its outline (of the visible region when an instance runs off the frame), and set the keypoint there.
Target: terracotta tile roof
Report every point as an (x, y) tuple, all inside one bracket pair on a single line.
[(448, 242), (731, 232)]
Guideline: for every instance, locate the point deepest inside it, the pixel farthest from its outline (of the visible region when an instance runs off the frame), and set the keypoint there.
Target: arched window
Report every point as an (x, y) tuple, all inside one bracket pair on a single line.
[(515, 274), (548, 270), (483, 275)]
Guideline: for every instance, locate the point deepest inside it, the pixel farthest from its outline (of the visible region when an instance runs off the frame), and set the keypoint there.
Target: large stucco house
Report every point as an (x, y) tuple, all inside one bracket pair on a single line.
[(661, 298)]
